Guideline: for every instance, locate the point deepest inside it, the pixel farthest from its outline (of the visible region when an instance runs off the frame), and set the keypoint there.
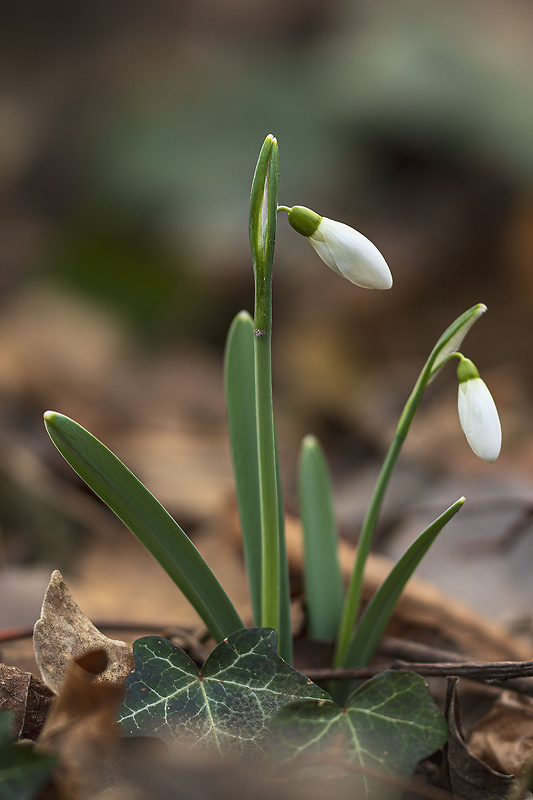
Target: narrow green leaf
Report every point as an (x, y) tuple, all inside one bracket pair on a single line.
[(147, 519), (240, 402), (285, 627), (226, 705), (386, 728), (369, 630), (323, 579), (239, 377)]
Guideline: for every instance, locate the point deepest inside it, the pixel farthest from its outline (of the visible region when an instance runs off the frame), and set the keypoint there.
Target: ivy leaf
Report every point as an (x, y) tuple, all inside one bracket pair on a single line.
[(227, 704), (388, 725), (24, 770)]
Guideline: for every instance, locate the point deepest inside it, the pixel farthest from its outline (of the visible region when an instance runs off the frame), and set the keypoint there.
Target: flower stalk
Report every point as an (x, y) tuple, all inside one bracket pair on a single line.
[(262, 227), (444, 349)]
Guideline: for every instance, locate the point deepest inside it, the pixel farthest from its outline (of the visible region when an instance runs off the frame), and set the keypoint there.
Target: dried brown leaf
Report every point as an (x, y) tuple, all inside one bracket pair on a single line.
[(469, 777), (63, 632), (27, 697), (503, 738), (81, 727)]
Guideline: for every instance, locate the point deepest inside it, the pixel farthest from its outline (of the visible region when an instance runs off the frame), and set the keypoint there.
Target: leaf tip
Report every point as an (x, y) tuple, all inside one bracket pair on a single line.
[(309, 441)]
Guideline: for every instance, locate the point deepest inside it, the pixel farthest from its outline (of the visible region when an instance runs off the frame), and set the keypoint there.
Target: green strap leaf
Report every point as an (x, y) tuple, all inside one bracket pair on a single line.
[(323, 579), (240, 403), (147, 519), (386, 728), (369, 630), (285, 626), (226, 705)]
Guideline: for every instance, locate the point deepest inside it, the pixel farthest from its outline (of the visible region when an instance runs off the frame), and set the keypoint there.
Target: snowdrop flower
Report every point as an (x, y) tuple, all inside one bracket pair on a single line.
[(478, 413), (342, 248)]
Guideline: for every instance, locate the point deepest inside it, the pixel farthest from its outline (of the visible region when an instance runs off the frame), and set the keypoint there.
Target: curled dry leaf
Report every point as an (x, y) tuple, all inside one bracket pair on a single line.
[(503, 738), (468, 776), (63, 632), (27, 697), (81, 727)]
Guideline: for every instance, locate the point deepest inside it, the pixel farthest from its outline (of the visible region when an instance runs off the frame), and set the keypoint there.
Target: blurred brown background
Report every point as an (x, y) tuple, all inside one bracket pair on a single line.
[(128, 136)]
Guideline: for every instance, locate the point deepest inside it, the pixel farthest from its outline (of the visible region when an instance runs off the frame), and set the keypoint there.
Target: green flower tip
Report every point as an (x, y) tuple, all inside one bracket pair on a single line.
[(48, 416), (303, 220), (466, 370)]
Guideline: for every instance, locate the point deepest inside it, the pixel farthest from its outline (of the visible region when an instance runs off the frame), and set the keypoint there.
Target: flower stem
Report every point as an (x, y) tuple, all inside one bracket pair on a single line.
[(353, 597), (263, 210), (441, 353)]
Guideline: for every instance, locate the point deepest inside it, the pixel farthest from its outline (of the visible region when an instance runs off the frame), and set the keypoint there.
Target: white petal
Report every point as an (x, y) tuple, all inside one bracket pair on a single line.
[(351, 254), (324, 253), (479, 419)]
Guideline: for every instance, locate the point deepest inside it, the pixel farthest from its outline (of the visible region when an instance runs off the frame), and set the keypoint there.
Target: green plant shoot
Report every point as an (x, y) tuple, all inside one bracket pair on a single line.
[(323, 580)]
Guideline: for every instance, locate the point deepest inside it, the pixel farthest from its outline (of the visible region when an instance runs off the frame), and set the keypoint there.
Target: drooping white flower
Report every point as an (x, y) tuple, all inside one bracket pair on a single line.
[(478, 413), (342, 248)]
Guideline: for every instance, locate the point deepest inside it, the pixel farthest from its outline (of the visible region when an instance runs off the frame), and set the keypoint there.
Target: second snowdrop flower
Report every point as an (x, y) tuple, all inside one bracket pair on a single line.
[(342, 248), (478, 413)]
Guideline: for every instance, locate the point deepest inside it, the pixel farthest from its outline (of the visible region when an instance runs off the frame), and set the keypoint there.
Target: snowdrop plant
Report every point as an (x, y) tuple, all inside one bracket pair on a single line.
[(333, 611)]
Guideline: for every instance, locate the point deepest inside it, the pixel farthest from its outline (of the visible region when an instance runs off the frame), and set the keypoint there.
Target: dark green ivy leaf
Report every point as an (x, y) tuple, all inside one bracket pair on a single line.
[(23, 769), (388, 725), (227, 704)]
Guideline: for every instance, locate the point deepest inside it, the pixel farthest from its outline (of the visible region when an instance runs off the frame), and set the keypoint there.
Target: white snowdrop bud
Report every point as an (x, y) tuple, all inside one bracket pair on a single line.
[(478, 413), (342, 248)]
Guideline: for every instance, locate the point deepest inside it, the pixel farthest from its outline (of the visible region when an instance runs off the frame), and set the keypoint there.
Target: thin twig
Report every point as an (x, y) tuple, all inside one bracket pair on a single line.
[(504, 674), (415, 651), (13, 634)]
